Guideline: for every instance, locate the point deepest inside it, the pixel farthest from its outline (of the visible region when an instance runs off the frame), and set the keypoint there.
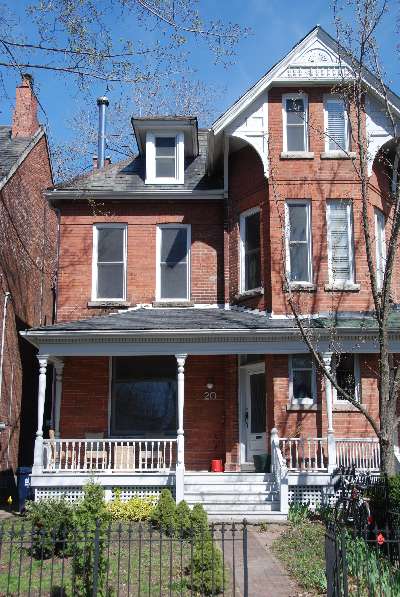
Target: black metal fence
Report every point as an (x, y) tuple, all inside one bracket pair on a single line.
[(123, 560), (362, 566)]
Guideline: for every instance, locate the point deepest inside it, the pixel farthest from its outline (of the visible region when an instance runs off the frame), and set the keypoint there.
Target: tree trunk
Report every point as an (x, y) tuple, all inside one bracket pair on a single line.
[(388, 460)]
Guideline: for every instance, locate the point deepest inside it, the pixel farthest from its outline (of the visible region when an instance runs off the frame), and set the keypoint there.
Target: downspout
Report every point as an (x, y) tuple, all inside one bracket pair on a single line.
[(3, 329)]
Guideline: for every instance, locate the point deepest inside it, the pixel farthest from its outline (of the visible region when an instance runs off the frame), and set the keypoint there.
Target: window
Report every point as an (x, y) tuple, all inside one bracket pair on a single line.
[(302, 383), (295, 133), (347, 373), (340, 242), (336, 125), (250, 248), (109, 262), (298, 241), (143, 396), (164, 158), (380, 243), (173, 267)]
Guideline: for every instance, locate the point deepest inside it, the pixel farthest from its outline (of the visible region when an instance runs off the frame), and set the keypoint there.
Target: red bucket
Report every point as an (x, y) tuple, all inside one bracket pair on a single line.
[(216, 466)]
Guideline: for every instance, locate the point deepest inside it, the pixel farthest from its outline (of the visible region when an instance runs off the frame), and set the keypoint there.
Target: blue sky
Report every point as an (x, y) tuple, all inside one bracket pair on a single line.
[(276, 26)]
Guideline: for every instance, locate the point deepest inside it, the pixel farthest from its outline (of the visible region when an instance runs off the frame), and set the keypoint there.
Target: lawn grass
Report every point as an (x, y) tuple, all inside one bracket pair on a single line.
[(301, 549)]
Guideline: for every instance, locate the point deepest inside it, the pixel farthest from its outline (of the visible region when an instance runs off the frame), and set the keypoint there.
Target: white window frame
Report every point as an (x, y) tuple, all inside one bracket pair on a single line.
[(96, 228), (357, 378), (292, 399), (351, 280), (304, 97), (242, 260), (346, 149), (307, 204), (151, 177), (161, 227), (380, 246)]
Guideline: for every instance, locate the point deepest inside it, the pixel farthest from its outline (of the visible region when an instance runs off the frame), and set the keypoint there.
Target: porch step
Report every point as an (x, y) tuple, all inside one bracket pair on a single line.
[(253, 518), (232, 499), (233, 488), (242, 477)]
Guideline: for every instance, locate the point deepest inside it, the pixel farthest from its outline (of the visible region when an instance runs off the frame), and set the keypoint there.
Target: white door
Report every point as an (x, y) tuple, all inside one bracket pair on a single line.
[(255, 414)]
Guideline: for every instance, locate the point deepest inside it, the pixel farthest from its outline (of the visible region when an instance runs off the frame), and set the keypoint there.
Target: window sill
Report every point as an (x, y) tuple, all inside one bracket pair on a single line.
[(346, 407), (249, 294), (342, 287), (304, 407), (166, 304), (297, 155), (108, 304), (338, 155), (301, 287)]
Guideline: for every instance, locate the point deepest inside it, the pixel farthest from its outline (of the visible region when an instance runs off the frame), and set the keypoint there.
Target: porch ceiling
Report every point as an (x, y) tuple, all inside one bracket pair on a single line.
[(206, 331)]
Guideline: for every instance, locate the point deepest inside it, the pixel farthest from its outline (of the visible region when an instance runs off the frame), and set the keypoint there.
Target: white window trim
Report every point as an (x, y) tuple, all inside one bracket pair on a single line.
[(357, 377), (346, 149), (307, 204), (313, 399), (380, 247), (151, 177), (160, 227), (285, 97), (96, 227), (351, 281), (242, 256)]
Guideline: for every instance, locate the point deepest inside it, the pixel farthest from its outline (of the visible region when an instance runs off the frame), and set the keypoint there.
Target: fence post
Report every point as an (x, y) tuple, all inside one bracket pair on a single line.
[(245, 562), (96, 559)]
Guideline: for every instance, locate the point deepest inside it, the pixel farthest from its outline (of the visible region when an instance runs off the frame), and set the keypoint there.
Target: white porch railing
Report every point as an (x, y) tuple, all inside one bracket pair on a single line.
[(364, 454), (109, 455), (305, 453)]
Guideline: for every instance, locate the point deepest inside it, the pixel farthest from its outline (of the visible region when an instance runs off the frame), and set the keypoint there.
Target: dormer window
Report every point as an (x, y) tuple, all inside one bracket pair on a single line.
[(164, 158)]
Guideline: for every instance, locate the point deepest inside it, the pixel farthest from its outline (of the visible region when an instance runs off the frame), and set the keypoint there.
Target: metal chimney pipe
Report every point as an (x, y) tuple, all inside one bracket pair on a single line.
[(102, 102)]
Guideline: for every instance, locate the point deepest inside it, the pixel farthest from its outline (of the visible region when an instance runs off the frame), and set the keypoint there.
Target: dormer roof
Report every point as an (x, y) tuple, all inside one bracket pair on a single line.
[(186, 124)]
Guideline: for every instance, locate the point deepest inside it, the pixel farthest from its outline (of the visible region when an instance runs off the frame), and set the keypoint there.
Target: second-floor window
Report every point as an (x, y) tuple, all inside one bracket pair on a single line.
[(298, 241), (109, 262), (340, 242), (173, 262), (250, 250), (380, 245), (336, 125), (295, 133)]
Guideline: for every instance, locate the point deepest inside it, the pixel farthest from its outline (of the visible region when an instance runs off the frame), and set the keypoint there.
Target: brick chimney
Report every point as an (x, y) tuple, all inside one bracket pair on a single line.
[(25, 122)]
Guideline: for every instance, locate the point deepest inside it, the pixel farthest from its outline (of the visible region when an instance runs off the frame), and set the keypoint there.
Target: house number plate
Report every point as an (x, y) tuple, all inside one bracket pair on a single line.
[(209, 395)]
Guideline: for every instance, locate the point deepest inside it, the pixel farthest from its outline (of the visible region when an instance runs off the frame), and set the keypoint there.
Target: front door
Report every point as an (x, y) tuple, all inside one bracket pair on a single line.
[(255, 415)]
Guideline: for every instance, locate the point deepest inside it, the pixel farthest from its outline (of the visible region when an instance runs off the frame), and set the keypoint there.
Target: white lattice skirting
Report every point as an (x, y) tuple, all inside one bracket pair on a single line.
[(313, 495), (71, 494)]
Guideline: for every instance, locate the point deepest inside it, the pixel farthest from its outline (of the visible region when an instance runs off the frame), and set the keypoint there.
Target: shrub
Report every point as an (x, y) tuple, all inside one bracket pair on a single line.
[(52, 523), (183, 521), (90, 518), (134, 509), (298, 513), (199, 522), (394, 492), (206, 570), (163, 515)]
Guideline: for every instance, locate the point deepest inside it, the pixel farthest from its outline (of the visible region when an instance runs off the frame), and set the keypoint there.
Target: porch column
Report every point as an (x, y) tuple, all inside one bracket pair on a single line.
[(180, 448), (59, 367), (38, 453), (327, 357)]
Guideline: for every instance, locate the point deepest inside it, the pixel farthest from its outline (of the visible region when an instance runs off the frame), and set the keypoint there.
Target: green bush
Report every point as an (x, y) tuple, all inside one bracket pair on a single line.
[(206, 570), (134, 509), (394, 492), (51, 521), (91, 519), (183, 520), (298, 513), (163, 516), (199, 522)]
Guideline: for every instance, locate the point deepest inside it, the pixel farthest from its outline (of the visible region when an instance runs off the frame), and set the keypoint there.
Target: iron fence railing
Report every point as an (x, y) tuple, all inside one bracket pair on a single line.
[(123, 560)]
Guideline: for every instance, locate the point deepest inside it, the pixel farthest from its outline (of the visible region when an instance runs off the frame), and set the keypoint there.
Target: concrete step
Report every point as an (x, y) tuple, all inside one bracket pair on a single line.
[(228, 477), (253, 518), (242, 509), (231, 498), (231, 488)]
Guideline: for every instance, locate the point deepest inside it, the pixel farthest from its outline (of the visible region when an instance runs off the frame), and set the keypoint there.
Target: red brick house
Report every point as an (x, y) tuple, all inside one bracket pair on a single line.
[(174, 345), (27, 248)]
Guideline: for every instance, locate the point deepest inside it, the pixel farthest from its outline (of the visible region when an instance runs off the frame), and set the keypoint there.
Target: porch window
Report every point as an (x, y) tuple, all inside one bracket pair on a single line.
[(302, 383), (340, 242), (250, 249), (109, 262), (336, 125), (347, 373), (298, 242), (143, 400), (295, 130), (173, 268)]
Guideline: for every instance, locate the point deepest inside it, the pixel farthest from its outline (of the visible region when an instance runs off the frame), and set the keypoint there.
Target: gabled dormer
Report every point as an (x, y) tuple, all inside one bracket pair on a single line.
[(165, 142)]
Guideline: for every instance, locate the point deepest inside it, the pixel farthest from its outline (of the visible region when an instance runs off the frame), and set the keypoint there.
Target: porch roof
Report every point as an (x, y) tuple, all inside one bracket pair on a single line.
[(207, 331)]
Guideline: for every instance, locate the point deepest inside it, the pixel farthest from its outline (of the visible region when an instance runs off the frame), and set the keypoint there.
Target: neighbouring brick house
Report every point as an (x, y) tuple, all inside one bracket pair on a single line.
[(174, 345), (27, 250)]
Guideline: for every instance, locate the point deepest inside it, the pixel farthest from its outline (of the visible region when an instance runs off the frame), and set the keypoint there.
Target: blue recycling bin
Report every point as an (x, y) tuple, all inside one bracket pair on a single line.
[(23, 486)]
